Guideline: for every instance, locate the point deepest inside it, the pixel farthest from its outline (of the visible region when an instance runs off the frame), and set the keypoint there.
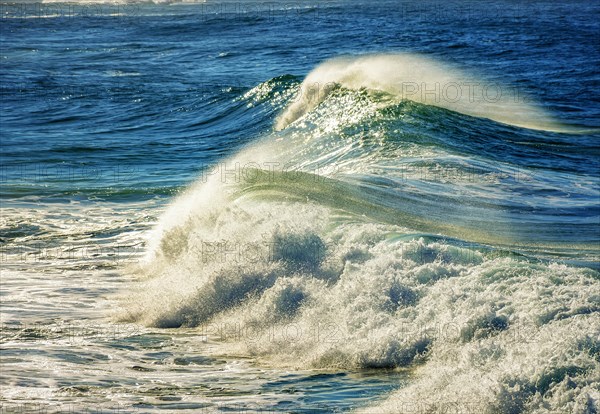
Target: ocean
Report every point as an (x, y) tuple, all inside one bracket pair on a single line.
[(300, 207)]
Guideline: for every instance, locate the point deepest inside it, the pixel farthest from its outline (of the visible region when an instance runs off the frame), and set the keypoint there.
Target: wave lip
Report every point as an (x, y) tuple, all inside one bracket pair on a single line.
[(420, 79)]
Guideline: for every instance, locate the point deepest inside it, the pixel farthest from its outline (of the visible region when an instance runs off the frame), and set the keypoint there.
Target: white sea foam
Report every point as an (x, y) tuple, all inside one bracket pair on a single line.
[(296, 285)]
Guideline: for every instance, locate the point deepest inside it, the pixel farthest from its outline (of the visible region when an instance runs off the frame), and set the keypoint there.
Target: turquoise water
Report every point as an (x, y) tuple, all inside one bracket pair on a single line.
[(300, 207)]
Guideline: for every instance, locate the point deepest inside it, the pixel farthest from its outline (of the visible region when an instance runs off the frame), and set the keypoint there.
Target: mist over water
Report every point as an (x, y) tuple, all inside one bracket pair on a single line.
[(392, 208)]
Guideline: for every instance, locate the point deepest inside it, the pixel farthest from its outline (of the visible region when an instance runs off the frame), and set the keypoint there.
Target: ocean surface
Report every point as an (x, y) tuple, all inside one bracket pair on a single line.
[(303, 207)]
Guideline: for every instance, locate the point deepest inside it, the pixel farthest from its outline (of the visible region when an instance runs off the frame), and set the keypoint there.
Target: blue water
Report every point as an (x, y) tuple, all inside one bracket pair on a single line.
[(110, 113), (152, 91)]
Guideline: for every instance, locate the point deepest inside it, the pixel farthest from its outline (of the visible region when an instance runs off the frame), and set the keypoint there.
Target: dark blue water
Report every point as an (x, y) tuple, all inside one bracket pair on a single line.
[(149, 96), (109, 112)]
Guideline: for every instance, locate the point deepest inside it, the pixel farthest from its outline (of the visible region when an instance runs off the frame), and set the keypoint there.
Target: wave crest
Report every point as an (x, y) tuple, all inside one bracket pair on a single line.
[(420, 79)]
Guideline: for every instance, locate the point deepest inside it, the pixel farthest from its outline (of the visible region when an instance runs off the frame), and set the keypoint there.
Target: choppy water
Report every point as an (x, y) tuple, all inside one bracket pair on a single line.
[(300, 207)]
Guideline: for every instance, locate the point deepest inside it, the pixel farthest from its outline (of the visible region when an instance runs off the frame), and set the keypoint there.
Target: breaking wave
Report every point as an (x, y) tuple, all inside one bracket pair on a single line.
[(372, 232)]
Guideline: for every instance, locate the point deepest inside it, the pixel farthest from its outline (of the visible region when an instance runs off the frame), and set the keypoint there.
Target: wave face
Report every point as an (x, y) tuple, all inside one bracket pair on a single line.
[(368, 231)]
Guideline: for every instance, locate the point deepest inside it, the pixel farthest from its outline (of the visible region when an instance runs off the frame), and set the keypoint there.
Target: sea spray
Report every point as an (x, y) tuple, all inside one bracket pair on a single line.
[(420, 79)]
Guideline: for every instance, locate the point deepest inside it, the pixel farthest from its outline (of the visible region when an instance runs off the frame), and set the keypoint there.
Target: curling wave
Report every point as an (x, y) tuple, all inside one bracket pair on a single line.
[(389, 234), (420, 79)]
